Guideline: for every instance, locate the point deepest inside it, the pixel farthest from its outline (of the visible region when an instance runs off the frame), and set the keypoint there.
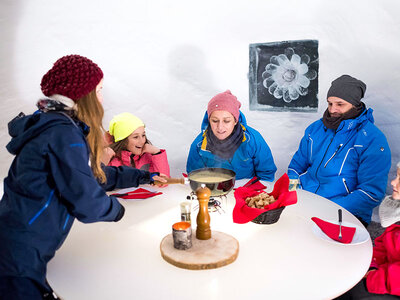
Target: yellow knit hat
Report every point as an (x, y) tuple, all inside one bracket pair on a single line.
[(122, 125)]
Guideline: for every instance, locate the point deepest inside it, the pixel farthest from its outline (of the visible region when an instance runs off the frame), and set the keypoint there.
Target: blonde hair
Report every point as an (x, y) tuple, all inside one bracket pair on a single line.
[(91, 112)]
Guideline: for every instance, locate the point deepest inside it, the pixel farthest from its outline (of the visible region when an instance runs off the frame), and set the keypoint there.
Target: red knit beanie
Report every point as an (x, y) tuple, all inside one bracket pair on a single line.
[(224, 101), (72, 76)]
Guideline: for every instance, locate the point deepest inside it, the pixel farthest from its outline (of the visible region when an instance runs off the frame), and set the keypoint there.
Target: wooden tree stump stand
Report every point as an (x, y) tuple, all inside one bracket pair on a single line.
[(220, 250)]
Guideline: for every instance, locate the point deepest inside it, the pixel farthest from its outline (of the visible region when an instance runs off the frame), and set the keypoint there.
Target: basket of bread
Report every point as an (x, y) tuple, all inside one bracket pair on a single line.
[(261, 207)]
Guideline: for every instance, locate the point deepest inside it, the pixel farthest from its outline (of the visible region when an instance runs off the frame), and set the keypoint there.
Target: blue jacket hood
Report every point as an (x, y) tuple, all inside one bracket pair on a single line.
[(24, 128), (205, 123)]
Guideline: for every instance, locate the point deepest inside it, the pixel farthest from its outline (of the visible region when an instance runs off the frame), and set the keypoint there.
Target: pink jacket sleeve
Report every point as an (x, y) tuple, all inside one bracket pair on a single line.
[(385, 280), (115, 162), (379, 255), (124, 161), (386, 258), (160, 163)]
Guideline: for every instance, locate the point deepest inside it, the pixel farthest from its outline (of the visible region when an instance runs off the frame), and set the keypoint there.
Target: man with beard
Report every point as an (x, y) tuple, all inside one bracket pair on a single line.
[(343, 156)]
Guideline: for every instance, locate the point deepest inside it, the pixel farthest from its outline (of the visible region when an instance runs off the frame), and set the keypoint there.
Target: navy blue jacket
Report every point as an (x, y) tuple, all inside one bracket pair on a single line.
[(252, 158), (349, 166), (49, 184)]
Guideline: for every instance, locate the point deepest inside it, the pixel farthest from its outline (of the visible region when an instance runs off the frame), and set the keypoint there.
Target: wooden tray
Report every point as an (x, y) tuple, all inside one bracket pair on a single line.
[(221, 250)]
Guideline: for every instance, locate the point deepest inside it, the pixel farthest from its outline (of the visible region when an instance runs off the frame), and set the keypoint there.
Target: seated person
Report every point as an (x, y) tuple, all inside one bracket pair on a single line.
[(226, 141), (343, 156), (382, 281), (130, 146)]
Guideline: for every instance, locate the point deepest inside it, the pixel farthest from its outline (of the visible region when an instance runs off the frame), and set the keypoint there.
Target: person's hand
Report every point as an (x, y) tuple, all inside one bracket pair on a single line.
[(163, 176), (293, 183), (150, 149), (160, 179), (106, 156), (108, 138)]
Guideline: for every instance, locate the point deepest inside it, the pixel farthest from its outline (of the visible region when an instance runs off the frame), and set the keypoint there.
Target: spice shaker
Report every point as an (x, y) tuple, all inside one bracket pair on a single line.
[(185, 210)]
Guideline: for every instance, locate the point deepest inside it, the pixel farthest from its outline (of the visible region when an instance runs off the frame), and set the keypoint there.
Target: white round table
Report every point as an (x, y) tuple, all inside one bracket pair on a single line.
[(285, 260)]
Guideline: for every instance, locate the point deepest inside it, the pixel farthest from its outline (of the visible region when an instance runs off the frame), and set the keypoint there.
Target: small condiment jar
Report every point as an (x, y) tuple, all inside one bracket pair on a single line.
[(182, 235), (185, 211)]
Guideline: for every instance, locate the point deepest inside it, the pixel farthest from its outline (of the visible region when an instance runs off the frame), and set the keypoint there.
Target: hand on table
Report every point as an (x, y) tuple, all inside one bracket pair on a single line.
[(160, 179)]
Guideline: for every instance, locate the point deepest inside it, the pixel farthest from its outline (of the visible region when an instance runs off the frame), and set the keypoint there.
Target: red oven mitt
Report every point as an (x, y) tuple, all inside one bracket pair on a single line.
[(332, 230), (139, 193), (243, 213)]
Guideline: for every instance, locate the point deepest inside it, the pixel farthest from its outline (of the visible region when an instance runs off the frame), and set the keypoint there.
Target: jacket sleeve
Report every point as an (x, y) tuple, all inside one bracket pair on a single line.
[(386, 278), (194, 160), (379, 256), (300, 160), (160, 163), (372, 176), (124, 177), (114, 162), (79, 190), (264, 165)]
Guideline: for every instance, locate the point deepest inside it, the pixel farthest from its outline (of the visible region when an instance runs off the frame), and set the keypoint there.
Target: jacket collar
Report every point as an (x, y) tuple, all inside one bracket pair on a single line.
[(204, 142), (352, 124)]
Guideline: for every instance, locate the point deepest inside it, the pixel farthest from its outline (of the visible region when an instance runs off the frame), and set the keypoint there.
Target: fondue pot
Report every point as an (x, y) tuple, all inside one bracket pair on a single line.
[(219, 180)]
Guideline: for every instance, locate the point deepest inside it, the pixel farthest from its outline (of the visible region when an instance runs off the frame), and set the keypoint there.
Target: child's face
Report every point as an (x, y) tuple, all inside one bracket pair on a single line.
[(136, 141), (396, 186)]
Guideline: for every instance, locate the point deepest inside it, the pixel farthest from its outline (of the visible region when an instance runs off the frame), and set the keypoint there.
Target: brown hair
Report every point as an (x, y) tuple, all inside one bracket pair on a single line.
[(91, 112), (122, 145)]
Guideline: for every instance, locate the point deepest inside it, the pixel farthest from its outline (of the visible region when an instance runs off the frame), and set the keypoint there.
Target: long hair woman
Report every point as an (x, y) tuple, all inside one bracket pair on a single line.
[(56, 176)]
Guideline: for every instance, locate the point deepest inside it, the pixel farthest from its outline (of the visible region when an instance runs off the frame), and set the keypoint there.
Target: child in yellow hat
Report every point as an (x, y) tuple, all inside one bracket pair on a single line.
[(132, 148)]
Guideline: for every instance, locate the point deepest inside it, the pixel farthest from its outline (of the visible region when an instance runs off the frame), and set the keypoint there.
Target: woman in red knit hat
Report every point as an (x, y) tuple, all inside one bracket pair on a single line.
[(226, 141), (56, 176)]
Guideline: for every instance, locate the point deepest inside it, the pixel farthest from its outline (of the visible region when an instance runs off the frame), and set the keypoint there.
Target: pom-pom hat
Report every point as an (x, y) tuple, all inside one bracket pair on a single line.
[(224, 101), (72, 76), (122, 126)]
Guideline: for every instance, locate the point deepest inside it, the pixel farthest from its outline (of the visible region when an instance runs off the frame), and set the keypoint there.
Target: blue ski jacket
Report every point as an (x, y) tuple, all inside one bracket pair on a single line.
[(49, 184), (252, 158), (349, 165)]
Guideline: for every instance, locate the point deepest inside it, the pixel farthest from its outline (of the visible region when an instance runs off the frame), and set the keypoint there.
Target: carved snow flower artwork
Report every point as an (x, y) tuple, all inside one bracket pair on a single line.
[(288, 75)]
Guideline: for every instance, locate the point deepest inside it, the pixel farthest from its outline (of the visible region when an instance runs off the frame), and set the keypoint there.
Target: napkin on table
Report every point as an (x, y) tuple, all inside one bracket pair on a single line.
[(332, 230), (139, 193), (243, 213), (255, 184)]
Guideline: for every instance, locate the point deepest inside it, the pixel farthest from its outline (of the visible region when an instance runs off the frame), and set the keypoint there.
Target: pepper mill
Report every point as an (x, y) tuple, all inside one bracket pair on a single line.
[(203, 230)]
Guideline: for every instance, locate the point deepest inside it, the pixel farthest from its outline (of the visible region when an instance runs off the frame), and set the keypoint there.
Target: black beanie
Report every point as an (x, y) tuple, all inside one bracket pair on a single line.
[(348, 88)]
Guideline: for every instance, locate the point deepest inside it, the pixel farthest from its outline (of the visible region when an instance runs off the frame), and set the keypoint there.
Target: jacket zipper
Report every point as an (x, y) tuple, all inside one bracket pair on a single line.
[(43, 208), (333, 155), (345, 185), (316, 171), (66, 221)]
